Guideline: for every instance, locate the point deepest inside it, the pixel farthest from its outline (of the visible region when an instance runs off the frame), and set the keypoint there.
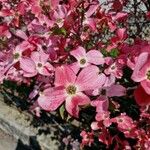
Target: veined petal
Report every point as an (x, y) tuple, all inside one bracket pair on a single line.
[(35, 56), (43, 56), (75, 67), (52, 100), (100, 80), (27, 65), (21, 34), (95, 57), (64, 75), (87, 78)]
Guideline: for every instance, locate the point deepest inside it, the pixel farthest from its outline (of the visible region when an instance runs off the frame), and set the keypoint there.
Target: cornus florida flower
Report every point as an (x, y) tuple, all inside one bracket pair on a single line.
[(124, 122), (69, 89), (85, 59), (141, 71), (38, 63)]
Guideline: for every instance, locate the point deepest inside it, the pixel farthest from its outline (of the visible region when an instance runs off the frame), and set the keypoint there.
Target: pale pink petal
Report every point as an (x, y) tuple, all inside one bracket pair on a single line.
[(110, 80), (29, 74), (95, 57), (21, 34), (78, 53), (116, 90), (95, 126), (73, 103), (27, 65), (101, 80), (139, 72), (53, 100), (64, 75), (43, 57), (35, 56)]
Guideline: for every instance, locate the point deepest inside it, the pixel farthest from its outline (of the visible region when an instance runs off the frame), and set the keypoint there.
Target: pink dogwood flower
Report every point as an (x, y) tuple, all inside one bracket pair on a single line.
[(85, 59), (124, 122), (69, 89), (38, 63), (141, 71)]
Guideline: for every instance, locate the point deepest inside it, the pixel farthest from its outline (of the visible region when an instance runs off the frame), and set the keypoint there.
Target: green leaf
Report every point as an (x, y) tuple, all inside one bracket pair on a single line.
[(104, 52), (60, 31), (62, 111), (114, 53)]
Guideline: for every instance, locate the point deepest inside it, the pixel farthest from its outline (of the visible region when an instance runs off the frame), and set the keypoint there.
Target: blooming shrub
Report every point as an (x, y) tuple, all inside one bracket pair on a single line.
[(82, 55)]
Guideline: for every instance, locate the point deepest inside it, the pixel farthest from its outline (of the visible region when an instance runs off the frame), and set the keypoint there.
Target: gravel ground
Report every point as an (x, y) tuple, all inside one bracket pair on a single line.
[(7, 142)]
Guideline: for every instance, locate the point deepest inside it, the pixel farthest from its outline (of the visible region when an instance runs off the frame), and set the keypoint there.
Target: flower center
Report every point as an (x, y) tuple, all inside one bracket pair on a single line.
[(103, 92), (16, 55), (39, 65), (71, 90), (148, 75), (120, 120), (82, 61)]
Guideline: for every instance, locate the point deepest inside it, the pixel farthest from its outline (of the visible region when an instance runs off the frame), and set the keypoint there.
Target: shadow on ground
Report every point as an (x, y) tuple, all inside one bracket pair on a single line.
[(33, 145)]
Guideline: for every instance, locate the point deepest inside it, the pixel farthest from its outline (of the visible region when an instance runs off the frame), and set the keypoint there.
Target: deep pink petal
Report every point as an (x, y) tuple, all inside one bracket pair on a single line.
[(91, 22), (87, 78), (95, 57), (64, 75), (101, 104), (141, 97), (116, 90), (78, 53), (121, 33), (73, 103), (146, 85)]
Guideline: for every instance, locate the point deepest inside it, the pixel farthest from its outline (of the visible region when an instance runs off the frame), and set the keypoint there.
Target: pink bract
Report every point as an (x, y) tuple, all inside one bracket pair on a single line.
[(69, 88)]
